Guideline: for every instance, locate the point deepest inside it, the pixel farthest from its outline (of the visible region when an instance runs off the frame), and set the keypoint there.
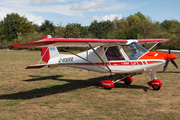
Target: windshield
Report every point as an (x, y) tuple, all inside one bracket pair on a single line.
[(134, 50)]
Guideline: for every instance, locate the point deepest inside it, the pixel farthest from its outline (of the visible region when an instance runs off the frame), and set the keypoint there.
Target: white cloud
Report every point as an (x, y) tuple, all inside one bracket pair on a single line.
[(35, 19), (4, 11), (45, 1), (104, 5), (113, 5), (107, 17), (24, 8), (68, 8), (85, 6)]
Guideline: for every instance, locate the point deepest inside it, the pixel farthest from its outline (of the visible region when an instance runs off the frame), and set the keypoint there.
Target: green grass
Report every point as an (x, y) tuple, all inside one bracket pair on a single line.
[(70, 93), (10, 103)]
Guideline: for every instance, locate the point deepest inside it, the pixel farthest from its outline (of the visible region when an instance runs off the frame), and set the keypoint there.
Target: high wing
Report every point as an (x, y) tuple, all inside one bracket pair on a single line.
[(80, 42)]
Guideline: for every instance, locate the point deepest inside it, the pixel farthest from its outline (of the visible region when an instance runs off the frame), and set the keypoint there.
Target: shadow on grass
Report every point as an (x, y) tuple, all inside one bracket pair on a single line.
[(37, 78), (71, 85), (169, 72)]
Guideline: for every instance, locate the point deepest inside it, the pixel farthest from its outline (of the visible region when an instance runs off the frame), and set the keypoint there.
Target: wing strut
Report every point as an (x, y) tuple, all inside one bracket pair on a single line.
[(153, 46), (99, 57), (84, 59)]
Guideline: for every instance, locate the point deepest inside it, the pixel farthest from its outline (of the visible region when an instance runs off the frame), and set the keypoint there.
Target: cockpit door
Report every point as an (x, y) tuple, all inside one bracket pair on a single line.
[(113, 53)]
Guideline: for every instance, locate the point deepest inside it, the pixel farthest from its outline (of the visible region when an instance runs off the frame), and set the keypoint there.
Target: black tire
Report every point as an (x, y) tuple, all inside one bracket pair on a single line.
[(156, 88), (107, 88), (126, 81)]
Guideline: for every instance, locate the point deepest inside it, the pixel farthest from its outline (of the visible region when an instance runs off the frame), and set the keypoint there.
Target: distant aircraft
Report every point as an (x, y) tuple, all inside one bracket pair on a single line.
[(106, 55)]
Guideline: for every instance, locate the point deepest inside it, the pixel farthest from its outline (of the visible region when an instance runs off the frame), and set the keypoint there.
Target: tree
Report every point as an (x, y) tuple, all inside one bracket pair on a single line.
[(122, 34), (47, 28), (77, 31), (73, 31), (2, 33), (173, 32), (13, 24), (26, 27), (157, 31), (118, 29), (142, 22), (133, 33), (99, 29), (60, 32), (136, 18)]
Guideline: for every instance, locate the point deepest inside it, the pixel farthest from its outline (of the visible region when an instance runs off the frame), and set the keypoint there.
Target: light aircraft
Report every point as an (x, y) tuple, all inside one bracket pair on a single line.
[(124, 58)]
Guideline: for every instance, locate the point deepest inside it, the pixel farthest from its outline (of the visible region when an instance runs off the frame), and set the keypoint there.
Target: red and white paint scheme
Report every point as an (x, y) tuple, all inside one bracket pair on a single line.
[(119, 57)]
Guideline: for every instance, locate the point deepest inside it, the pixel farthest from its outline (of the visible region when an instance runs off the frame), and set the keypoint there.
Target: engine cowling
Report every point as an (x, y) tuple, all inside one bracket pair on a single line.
[(107, 83)]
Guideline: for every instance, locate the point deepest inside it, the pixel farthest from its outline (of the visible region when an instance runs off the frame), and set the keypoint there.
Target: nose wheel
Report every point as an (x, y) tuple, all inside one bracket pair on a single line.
[(156, 87), (155, 84)]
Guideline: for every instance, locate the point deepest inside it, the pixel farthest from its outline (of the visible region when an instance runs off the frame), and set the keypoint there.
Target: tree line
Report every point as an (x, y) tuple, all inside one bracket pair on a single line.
[(17, 29)]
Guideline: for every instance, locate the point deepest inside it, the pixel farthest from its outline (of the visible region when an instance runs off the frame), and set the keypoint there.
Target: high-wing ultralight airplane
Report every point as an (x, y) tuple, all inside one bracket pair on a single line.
[(106, 55)]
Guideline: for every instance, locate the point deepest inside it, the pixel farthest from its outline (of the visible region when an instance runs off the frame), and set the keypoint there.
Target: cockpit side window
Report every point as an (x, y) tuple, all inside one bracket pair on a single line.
[(113, 53), (134, 50)]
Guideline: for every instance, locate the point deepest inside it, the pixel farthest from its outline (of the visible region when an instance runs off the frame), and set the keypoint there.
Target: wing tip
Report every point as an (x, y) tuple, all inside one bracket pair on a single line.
[(6, 46)]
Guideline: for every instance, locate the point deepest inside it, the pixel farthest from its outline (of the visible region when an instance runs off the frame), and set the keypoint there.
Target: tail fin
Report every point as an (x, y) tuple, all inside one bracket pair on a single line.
[(48, 52)]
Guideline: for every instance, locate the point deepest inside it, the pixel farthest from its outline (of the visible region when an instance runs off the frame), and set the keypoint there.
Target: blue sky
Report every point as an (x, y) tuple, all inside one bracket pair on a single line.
[(86, 11)]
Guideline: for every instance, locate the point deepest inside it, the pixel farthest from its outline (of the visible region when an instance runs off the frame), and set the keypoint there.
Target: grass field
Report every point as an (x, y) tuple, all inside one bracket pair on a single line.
[(67, 93)]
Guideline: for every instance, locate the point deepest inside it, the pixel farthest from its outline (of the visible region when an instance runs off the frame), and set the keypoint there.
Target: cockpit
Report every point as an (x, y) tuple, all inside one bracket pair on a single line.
[(133, 50)]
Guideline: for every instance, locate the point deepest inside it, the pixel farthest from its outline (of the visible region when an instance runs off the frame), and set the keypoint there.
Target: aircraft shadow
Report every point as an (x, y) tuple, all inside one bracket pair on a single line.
[(71, 85), (169, 72)]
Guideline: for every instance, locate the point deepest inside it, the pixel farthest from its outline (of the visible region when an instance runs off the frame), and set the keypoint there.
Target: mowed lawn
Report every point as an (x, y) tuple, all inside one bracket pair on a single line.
[(66, 93)]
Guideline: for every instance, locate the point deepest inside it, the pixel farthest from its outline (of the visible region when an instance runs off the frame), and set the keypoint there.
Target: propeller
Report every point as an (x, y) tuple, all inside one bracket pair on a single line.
[(173, 62), (166, 64), (168, 59)]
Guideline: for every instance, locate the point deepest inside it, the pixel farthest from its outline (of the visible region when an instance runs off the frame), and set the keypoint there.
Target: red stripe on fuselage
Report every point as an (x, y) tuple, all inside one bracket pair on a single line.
[(114, 63)]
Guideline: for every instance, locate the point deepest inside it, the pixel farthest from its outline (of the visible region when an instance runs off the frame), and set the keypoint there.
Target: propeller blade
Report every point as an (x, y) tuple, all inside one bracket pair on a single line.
[(166, 64), (173, 62)]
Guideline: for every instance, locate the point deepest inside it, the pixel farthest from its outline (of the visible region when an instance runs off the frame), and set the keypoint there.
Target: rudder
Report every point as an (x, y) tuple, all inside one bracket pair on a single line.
[(48, 52)]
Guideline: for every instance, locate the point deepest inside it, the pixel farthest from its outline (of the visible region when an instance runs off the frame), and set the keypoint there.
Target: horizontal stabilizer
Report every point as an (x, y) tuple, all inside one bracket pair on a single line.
[(36, 66)]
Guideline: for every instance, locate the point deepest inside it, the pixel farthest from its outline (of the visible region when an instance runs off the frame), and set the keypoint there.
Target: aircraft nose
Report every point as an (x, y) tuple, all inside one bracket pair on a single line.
[(171, 57)]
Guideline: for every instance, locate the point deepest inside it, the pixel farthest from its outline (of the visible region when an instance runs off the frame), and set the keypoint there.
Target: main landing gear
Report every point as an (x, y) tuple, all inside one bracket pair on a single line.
[(108, 84)]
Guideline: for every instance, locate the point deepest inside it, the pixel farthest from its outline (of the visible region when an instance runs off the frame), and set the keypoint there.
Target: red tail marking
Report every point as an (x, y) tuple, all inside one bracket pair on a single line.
[(45, 54), (44, 37)]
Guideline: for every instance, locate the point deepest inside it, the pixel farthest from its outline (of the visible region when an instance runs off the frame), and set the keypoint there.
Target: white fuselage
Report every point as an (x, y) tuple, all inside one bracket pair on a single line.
[(116, 66)]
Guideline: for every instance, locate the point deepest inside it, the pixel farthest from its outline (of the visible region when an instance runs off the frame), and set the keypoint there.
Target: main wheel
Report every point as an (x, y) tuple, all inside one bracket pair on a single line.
[(107, 88), (128, 80), (156, 87)]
